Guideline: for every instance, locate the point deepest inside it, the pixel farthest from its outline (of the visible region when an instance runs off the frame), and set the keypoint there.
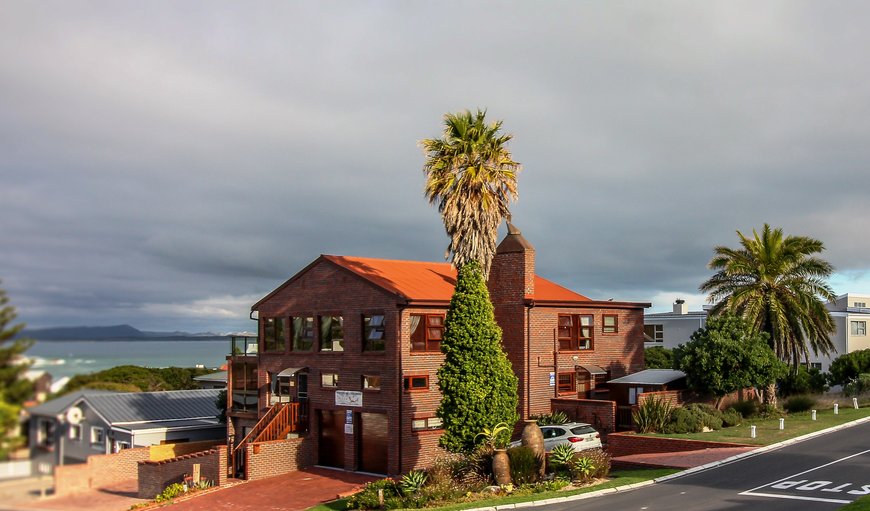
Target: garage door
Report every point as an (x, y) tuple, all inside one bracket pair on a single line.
[(330, 445), (373, 443)]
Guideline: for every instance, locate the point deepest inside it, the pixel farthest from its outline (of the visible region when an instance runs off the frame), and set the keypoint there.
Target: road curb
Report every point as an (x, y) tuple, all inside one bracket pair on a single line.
[(699, 468)]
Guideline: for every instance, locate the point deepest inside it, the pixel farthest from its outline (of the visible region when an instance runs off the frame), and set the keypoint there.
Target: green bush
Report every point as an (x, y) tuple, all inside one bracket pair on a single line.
[(368, 497), (652, 415), (684, 421), (658, 357), (747, 408), (170, 492), (599, 459), (412, 482), (731, 418), (561, 457), (803, 381), (795, 404), (546, 419), (857, 386), (849, 366), (524, 464), (710, 416)]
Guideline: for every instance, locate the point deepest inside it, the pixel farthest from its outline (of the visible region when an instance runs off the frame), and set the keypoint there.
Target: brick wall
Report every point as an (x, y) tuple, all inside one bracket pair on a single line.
[(268, 459), (624, 444), (154, 476), (168, 451), (100, 470), (600, 414)]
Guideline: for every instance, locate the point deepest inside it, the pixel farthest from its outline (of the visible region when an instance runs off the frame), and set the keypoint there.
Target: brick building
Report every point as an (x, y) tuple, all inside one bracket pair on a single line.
[(348, 350)]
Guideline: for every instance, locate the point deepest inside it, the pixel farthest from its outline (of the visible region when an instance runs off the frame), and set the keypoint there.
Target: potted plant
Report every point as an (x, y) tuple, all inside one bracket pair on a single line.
[(496, 440)]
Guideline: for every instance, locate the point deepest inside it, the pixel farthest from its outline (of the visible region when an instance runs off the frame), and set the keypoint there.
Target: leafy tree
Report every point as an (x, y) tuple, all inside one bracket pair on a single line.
[(727, 355), (478, 385), (849, 366), (472, 177), (658, 357), (14, 388), (779, 286), (128, 378), (804, 381)]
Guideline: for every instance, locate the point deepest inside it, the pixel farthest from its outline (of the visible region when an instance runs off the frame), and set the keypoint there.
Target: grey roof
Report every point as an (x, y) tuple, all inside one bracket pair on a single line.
[(220, 376), (182, 424), (651, 377), (133, 407)]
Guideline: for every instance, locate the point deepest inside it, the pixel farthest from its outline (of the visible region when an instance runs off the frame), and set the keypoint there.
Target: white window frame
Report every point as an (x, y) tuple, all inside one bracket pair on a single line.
[(98, 436), (858, 328)]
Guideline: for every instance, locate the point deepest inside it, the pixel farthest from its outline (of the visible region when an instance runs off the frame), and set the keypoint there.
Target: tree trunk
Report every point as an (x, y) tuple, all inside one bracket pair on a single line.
[(770, 394)]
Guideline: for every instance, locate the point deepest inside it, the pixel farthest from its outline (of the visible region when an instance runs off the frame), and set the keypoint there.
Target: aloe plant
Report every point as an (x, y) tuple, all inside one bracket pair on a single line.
[(412, 482), (494, 437)]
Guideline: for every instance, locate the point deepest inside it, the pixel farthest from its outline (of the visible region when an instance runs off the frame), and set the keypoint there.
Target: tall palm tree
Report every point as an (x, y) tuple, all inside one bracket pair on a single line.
[(779, 286), (471, 177)]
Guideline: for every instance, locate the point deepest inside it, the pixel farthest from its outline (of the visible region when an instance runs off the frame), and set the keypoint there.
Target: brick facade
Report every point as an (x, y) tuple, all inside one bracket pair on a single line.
[(269, 459), (601, 414), (100, 470), (154, 476), (624, 444), (527, 315)]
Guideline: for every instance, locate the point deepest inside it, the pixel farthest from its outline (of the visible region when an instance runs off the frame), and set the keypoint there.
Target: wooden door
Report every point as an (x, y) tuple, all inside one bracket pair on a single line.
[(330, 445), (373, 442)]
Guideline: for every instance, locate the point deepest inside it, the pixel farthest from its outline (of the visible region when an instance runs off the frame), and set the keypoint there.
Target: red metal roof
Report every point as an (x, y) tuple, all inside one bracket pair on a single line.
[(426, 281)]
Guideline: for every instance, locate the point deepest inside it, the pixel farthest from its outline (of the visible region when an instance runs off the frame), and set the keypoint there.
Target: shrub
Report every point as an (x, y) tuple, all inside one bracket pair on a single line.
[(795, 404), (709, 416), (684, 421), (582, 469), (803, 381), (747, 408), (859, 385), (561, 457), (368, 497), (412, 482), (652, 415), (546, 419), (658, 357), (170, 492), (849, 366), (731, 418), (598, 460), (768, 411), (524, 464)]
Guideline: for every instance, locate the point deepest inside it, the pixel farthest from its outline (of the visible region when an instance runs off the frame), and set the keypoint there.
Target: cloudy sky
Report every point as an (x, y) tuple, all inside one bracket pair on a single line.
[(166, 164)]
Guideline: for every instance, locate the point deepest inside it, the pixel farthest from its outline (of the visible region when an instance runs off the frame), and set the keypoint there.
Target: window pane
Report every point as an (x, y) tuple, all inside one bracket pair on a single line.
[(273, 334), (373, 331), (418, 333), (331, 333), (303, 334), (371, 382), (418, 424), (329, 380)]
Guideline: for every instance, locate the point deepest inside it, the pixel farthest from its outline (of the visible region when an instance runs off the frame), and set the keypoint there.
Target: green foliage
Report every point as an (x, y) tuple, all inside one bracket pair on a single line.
[(145, 379), (14, 388), (412, 482), (477, 383), (591, 464), (221, 403), (652, 415), (170, 492), (368, 497), (803, 381), (496, 437), (582, 469), (561, 457), (847, 367), (546, 419), (731, 418), (710, 416), (684, 421), (472, 178), (795, 404), (658, 357), (858, 385), (746, 409), (726, 355), (524, 464)]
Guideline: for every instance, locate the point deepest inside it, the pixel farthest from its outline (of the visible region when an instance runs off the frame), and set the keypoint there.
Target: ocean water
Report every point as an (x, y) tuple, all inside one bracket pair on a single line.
[(68, 358)]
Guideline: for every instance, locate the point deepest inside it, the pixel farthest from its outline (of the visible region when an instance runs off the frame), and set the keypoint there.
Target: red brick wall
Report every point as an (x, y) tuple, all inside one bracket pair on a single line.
[(100, 470), (624, 444), (154, 476), (268, 459), (600, 414)]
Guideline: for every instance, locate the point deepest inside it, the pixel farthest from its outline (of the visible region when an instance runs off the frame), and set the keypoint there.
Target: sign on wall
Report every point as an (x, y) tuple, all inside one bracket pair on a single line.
[(552, 379), (348, 398)]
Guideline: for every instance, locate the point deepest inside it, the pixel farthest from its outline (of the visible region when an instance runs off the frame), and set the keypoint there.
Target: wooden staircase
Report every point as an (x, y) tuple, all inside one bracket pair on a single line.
[(281, 420)]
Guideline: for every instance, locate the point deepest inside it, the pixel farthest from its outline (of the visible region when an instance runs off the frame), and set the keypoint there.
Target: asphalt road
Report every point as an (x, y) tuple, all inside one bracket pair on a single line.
[(823, 473)]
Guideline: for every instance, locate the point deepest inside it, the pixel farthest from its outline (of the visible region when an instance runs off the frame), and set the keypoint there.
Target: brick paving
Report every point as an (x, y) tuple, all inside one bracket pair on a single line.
[(684, 459), (116, 497)]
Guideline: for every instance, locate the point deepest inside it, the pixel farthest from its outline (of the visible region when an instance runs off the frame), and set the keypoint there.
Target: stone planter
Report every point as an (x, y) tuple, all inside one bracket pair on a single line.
[(533, 438), (501, 467)]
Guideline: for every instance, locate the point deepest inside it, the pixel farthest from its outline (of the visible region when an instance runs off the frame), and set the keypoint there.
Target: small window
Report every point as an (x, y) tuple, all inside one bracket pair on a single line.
[(274, 330), (859, 328), (861, 305), (816, 365), (426, 424), (371, 382), (331, 333), (97, 436), (373, 331), (75, 432), (575, 332), (303, 334), (45, 434), (567, 383), (416, 383), (426, 332), (654, 333), (610, 324), (329, 380)]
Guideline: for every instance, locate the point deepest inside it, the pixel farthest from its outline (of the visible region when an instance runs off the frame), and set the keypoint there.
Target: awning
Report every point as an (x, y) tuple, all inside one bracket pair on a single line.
[(290, 371), (591, 369)]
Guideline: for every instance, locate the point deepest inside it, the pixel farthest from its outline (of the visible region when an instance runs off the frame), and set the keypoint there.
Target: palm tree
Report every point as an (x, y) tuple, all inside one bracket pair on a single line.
[(471, 177), (779, 287)]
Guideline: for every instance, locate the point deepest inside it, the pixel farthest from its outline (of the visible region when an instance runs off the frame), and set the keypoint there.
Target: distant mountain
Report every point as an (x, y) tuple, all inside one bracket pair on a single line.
[(97, 333)]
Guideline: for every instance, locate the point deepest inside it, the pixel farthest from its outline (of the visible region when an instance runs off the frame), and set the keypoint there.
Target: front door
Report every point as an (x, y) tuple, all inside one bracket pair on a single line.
[(373, 442), (330, 445)]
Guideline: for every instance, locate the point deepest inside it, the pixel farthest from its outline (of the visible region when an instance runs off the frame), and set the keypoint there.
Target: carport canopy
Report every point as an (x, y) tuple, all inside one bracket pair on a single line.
[(290, 371), (591, 369)]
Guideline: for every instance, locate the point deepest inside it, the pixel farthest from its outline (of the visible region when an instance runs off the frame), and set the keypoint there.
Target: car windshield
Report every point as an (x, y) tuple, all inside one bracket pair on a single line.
[(583, 430)]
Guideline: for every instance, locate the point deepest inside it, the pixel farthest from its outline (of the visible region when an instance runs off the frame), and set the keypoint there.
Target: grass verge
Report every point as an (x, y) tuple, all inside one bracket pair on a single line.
[(862, 504), (768, 432), (617, 478)]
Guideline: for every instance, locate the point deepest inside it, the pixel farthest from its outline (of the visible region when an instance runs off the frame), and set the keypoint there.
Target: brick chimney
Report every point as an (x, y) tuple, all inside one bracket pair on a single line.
[(512, 276)]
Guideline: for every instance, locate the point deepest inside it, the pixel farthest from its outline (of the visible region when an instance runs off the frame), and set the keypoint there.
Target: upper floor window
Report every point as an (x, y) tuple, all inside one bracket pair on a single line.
[(427, 330), (861, 304), (373, 333), (303, 334), (331, 333), (575, 332), (610, 324), (274, 331), (859, 328), (654, 333), (329, 380)]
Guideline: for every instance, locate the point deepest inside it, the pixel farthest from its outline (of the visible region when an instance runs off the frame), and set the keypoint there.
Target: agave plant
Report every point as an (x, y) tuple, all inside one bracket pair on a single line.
[(412, 482), (582, 468), (493, 437)]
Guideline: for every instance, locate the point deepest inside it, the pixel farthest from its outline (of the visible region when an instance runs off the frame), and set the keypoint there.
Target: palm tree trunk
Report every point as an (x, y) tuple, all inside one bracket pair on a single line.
[(770, 394)]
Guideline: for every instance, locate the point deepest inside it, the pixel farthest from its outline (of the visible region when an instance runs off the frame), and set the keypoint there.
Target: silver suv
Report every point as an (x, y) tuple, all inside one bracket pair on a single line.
[(579, 435)]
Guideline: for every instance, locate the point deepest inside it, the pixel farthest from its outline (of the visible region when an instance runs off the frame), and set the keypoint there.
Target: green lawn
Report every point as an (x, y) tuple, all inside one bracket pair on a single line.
[(768, 432), (862, 504), (618, 478)]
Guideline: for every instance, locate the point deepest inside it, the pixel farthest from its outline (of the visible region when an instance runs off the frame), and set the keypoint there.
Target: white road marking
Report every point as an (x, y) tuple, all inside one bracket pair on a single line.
[(752, 492)]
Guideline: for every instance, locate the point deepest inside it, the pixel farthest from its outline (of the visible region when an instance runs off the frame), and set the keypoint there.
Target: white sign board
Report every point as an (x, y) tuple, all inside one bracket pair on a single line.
[(348, 429), (552, 379), (348, 398)]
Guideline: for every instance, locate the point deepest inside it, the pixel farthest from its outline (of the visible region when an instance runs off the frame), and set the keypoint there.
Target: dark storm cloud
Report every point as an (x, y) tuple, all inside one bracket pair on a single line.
[(167, 164)]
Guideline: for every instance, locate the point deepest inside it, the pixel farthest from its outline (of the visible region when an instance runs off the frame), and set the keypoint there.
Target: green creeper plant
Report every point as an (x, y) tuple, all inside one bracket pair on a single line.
[(477, 383)]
